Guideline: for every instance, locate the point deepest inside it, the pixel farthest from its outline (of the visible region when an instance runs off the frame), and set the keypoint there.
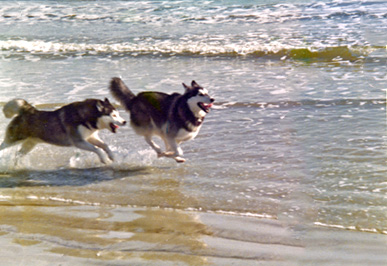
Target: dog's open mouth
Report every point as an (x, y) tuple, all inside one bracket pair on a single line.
[(113, 127), (205, 106)]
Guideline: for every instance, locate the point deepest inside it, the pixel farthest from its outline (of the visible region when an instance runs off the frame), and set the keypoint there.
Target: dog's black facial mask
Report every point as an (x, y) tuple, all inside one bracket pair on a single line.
[(108, 111), (105, 107), (202, 99)]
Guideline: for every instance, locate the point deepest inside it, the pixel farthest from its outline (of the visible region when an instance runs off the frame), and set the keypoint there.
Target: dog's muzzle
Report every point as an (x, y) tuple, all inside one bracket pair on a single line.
[(206, 106), (114, 126)]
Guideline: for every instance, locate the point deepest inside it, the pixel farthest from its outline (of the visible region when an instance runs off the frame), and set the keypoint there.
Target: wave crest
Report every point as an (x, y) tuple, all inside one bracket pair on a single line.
[(186, 48)]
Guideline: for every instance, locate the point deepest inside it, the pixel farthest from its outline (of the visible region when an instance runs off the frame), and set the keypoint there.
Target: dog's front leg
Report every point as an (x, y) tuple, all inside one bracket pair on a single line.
[(90, 147), (174, 151), (99, 143)]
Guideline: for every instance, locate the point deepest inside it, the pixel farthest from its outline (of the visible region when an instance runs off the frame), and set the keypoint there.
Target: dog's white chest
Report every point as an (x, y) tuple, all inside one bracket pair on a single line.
[(184, 135), (86, 132)]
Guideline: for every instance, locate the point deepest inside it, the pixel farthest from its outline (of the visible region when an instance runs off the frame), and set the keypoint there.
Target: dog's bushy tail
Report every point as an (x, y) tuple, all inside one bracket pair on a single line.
[(15, 107), (121, 92)]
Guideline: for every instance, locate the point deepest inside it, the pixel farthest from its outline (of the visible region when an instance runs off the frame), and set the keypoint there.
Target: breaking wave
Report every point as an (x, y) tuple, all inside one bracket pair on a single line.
[(11, 48)]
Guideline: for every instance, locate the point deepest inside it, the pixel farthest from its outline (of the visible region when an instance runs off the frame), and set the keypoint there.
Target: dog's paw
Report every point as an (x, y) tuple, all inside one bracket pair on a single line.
[(111, 157), (169, 154), (166, 154), (104, 160), (179, 159)]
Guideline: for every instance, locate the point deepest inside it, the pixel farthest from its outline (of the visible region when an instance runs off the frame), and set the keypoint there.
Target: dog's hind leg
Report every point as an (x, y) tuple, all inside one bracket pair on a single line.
[(96, 141), (90, 147), (27, 146), (8, 142), (154, 146), (5, 145)]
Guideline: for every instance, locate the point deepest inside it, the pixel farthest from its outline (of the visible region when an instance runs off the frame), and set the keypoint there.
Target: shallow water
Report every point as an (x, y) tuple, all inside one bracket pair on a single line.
[(297, 134)]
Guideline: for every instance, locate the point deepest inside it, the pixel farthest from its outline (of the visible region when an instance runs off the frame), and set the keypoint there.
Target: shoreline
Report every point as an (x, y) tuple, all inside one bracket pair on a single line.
[(75, 235)]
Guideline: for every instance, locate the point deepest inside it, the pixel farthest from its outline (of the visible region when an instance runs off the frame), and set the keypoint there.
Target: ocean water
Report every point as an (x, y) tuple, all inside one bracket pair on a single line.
[(297, 133)]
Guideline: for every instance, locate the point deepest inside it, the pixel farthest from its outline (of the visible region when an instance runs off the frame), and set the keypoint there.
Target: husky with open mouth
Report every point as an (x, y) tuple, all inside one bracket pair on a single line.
[(173, 117), (76, 124)]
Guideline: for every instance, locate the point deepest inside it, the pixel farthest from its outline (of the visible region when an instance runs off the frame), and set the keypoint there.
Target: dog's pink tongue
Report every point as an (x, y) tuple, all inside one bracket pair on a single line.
[(113, 127)]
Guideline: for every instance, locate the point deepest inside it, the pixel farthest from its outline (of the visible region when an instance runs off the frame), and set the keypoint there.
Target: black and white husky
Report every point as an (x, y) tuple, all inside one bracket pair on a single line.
[(75, 124), (173, 117)]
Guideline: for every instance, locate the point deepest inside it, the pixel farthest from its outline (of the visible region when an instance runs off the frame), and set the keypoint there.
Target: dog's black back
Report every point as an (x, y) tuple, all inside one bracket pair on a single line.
[(151, 105), (157, 107)]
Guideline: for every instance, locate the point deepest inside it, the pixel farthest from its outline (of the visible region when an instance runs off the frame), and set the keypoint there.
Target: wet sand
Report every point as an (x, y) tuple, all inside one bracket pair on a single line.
[(96, 235)]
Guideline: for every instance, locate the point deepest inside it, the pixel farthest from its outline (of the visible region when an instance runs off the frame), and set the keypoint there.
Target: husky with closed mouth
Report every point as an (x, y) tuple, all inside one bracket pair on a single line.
[(173, 117), (76, 124)]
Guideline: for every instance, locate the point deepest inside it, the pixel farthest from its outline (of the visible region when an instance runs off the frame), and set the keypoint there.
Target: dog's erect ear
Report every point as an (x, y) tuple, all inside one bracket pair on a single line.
[(194, 84), (107, 101), (100, 106), (187, 88)]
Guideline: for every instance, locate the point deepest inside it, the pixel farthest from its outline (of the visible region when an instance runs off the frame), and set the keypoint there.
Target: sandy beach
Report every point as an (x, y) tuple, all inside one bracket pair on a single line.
[(95, 235)]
